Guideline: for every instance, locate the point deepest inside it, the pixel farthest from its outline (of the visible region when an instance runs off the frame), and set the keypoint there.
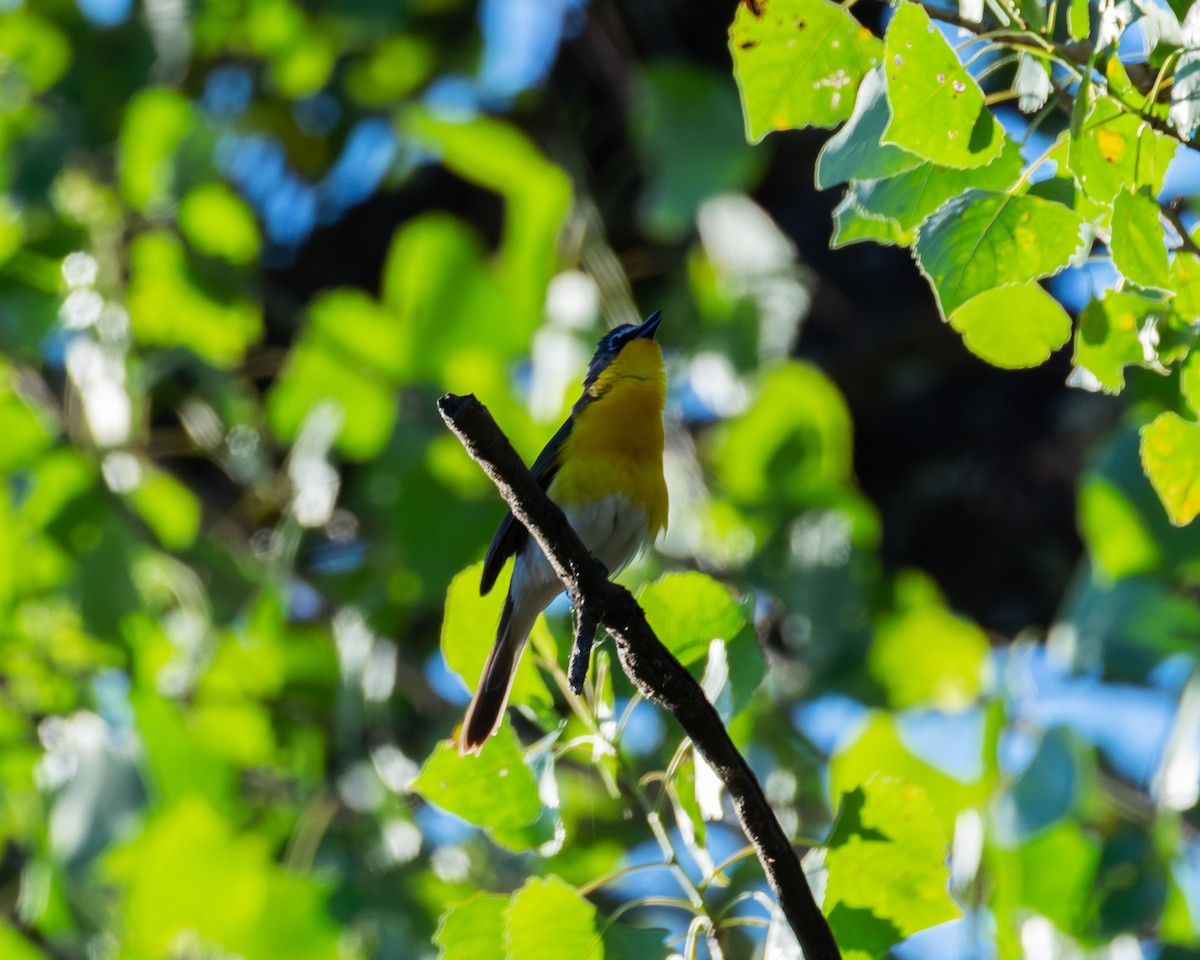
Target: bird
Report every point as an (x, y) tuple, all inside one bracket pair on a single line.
[(604, 468)]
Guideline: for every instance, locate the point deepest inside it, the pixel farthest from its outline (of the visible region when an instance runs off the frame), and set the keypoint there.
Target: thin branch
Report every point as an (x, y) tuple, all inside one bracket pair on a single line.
[(651, 667)]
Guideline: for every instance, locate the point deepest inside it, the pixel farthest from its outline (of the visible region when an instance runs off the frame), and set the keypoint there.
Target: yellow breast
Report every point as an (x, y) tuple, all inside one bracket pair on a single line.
[(616, 444)]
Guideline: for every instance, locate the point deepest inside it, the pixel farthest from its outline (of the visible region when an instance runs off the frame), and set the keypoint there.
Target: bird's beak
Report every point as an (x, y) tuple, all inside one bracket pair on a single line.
[(648, 328)]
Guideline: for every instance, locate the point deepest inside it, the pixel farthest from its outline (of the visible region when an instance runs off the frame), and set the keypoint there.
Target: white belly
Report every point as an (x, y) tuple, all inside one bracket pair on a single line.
[(613, 529)]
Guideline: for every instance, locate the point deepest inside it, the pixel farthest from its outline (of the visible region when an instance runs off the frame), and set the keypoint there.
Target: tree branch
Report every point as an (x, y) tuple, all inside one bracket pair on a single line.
[(651, 667)]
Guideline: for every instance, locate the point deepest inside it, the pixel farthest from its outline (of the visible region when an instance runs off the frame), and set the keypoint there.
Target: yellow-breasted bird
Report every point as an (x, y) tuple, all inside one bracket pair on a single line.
[(604, 468)]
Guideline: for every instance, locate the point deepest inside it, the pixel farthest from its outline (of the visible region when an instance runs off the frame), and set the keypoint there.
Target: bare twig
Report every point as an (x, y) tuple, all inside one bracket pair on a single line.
[(651, 667)]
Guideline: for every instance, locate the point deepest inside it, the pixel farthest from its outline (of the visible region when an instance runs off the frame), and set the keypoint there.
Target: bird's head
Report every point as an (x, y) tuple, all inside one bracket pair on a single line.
[(625, 351)]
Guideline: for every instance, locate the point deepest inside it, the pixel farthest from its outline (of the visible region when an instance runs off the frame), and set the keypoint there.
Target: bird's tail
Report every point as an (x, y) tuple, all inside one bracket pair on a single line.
[(491, 697)]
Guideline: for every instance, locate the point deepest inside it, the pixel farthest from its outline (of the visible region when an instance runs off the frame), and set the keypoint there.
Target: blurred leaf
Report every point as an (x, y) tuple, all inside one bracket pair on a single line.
[(547, 919), (982, 240), (1014, 326), (169, 508), (14, 946), (782, 54), (857, 151), (219, 223), (537, 196), (1107, 339), (1138, 242), (180, 770), (469, 631), (1170, 453), (494, 790), (35, 47), (1022, 881), (910, 197), (926, 79), (878, 751), (1078, 20), (169, 308), (1115, 148), (925, 655), (687, 123), (886, 864), (473, 929), (792, 444), (1117, 537), (622, 940), (396, 67), (27, 431), (156, 120)]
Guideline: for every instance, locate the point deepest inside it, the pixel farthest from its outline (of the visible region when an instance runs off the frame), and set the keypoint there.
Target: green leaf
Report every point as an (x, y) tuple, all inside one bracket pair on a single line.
[(537, 195), (156, 120), (1170, 451), (169, 508), (1107, 337), (1119, 540), (1189, 380), (36, 48), (219, 223), (494, 790), (14, 946), (798, 63), (857, 151), (938, 109), (1115, 148), (1062, 895), (983, 240), (27, 430), (1139, 248), (622, 940), (168, 307), (1014, 326), (886, 863), (911, 197), (315, 373), (688, 611), (473, 929), (852, 224), (793, 443), (1185, 281), (686, 120), (925, 655), (469, 630), (548, 919), (1078, 20)]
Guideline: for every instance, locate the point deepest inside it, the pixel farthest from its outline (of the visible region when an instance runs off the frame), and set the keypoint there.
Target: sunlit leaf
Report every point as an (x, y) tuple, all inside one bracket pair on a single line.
[(910, 197), (156, 120), (793, 442), (34, 46), (1118, 537), (852, 224), (1108, 336), (983, 240), (548, 919), (1114, 149), (1013, 326), (169, 508), (1061, 895), (689, 610), (219, 223), (1171, 458), (473, 929), (857, 151), (886, 866), (923, 654), (168, 307), (798, 63), (925, 79), (1138, 242)]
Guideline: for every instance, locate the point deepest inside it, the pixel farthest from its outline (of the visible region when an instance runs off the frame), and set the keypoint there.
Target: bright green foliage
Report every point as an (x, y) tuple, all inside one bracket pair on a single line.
[(924, 654), (1115, 149), (473, 929), (1012, 326), (886, 862), (1171, 458), (218, 222), (925, 79), (1137, 241), (546, 919), (1108, 336), (798, 63), (982, 240), (155, 123), (510, 802)]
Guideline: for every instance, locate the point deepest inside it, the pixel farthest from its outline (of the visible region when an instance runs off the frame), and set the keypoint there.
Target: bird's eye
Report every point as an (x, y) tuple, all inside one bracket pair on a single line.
[(613, 342)]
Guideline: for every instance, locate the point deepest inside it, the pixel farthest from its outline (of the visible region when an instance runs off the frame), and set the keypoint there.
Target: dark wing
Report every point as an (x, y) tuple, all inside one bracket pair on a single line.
[(511, 535)]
